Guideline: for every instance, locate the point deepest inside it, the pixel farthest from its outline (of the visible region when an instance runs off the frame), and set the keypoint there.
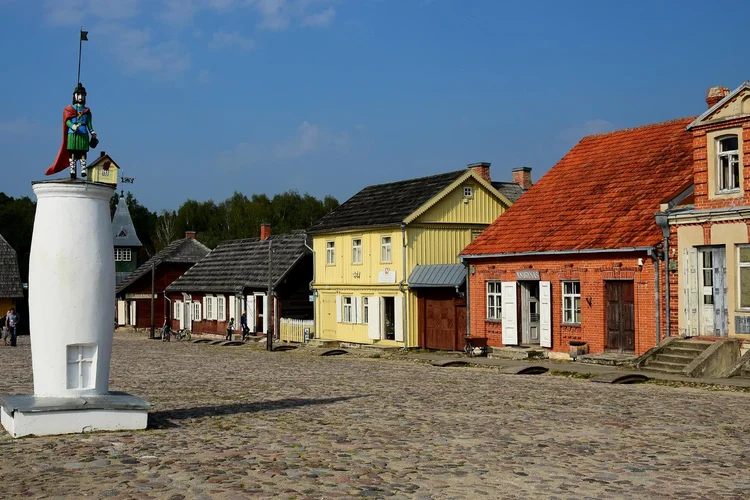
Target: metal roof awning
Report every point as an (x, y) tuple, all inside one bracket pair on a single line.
[(438, 276)]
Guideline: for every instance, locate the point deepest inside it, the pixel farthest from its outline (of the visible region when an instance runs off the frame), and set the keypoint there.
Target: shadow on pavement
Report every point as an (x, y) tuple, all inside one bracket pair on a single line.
[(164, 419)]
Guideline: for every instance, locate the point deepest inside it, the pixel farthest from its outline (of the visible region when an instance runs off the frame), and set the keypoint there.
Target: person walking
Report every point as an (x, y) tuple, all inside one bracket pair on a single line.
[(243, 325), (165, 334), (230, 327), (11, 323)]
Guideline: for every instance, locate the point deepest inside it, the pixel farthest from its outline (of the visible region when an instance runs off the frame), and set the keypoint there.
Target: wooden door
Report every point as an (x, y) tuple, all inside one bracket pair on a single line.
[(460, 326), (620, 316), (440, 324)]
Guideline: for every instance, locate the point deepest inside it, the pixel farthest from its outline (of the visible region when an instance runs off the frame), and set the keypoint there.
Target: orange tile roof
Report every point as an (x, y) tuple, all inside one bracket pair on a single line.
[(602, 195)]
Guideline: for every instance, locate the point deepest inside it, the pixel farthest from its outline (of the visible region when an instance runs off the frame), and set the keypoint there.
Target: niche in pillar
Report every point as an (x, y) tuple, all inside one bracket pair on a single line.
[(81, 366)]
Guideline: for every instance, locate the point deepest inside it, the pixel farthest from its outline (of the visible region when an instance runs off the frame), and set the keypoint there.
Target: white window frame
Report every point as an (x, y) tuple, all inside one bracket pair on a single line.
[(475, 233), (123, 254), (356, 251), (210, 307), (197, 311), (365, 311), (494, 306), (740, 265), (385, 249), (330, 253), (732, 157), (468, 192), (569, 301), (347, 313), (221, 308)]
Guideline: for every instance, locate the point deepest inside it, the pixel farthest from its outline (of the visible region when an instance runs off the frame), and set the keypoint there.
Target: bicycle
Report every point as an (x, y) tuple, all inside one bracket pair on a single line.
[(182, 334)]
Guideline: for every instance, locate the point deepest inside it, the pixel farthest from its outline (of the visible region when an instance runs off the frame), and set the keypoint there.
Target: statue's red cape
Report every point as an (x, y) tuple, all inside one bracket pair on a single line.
[(63, 159)]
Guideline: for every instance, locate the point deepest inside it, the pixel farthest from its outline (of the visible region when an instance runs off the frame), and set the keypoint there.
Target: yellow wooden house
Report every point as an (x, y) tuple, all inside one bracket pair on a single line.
[(367, 249), (103, 169)]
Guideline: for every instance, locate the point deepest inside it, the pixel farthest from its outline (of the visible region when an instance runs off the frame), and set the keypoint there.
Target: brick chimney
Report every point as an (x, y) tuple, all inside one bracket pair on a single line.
[(716, 94), (522, 177), (190, 234), (265, 231), (482, 168)]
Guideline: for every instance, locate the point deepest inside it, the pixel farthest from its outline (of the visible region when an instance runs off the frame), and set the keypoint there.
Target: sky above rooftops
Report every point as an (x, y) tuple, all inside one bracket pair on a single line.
[(199, 98)]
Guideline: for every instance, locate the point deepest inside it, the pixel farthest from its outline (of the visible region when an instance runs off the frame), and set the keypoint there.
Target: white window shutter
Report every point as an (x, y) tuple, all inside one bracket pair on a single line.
[(251, 312), (266, 313), (510, 322), (692, 291), (232, 308), (338, 309), (398, 318), (357, 312), (205, 308), (120, 312), (545, 314), (133, 313), (373, 318), (221, 308)]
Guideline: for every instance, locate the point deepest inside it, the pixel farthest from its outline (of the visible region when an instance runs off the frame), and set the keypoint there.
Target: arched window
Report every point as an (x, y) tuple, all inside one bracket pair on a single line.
[(728, 159)]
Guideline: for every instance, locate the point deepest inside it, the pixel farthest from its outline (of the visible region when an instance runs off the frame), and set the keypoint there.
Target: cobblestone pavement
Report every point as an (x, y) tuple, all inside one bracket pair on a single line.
[(234, 422)]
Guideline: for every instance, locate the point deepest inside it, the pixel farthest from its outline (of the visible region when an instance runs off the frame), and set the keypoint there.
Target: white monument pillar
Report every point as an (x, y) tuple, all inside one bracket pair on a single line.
[(71, 318)]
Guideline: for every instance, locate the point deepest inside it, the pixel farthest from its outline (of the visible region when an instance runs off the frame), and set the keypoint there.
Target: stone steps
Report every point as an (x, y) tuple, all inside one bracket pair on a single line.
[(665, 367), (676, 356)]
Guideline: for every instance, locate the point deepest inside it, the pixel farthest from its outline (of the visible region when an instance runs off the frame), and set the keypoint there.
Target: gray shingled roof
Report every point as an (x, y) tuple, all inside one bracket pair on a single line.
[(182, 251), (437, 275), (123, 229), (238, 264), (10, 277), (385, 204), (510, 190)]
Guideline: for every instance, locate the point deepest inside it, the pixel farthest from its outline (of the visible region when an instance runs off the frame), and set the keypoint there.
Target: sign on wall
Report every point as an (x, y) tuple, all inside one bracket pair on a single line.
[(527, 274), (387, 276)]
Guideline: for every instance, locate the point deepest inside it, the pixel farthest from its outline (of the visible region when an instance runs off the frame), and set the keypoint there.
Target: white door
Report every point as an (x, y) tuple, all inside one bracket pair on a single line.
[(706, 287), (398, 310), (373, 318), (545, 314), (250, 308), (133, 315), (510, 323), (121, 316)]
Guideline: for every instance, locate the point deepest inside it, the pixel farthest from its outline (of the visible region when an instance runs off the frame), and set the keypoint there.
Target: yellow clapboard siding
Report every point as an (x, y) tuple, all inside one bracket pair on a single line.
[(435, 237)]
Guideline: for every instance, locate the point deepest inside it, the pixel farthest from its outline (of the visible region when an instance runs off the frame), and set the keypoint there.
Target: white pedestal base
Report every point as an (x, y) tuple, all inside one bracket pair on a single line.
[(29, 415)]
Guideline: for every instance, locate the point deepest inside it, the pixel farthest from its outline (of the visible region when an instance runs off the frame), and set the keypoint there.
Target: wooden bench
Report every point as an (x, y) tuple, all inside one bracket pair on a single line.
[(472, 343)]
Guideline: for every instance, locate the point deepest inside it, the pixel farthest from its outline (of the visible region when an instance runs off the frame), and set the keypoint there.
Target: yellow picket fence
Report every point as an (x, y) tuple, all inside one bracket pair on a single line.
[(293, 330)]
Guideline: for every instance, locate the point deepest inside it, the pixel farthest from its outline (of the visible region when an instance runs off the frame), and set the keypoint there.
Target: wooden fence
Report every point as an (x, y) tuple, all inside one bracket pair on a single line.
[(293, 330)]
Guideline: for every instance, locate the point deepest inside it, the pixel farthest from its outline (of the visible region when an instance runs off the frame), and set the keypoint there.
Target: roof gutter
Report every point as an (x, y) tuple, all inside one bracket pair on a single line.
[(558, 252)]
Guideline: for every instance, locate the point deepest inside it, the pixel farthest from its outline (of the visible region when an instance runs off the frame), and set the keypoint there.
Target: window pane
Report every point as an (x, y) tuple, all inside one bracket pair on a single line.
[(577, 287), (723, 172), (745, 287), (745, 254), (729, 144), (735, 172)]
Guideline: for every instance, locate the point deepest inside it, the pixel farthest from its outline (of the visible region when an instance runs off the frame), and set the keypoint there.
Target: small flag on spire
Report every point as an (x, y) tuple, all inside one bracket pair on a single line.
[(84, 36)]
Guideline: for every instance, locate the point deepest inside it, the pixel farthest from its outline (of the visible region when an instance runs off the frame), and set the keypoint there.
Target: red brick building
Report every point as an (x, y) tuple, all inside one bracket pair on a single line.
[(709, 247), (579, 256), (134, 293)]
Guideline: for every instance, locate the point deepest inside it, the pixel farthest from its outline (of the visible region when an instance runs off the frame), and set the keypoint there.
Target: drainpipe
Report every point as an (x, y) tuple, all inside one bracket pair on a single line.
[(310, 286), (468, 309), (651, 252), (401, 287), (663, 222)]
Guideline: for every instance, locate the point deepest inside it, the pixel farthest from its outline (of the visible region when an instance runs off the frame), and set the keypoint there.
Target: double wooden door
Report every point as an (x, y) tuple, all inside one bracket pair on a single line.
[(443, 322), (620, 316)]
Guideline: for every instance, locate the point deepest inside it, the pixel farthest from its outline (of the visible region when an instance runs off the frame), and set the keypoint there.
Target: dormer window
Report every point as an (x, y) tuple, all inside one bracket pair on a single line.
[(728, 163)]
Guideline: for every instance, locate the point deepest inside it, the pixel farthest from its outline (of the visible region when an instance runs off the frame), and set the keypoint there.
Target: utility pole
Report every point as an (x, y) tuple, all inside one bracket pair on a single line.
[(153, 283), (269, 298)]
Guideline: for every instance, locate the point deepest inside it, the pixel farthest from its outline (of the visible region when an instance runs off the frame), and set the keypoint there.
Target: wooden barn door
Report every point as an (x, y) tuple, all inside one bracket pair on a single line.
[(620, 316), (440, 324)]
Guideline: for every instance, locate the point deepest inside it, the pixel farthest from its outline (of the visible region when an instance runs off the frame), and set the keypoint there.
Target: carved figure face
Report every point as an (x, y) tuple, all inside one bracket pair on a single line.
[(79, 98)]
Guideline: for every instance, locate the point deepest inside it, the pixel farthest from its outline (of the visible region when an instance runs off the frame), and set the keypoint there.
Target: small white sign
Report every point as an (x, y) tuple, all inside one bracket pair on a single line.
[(387, 276)]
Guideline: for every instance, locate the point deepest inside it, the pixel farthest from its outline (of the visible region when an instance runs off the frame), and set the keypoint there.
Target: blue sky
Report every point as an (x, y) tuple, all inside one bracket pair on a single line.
[(199, 98)]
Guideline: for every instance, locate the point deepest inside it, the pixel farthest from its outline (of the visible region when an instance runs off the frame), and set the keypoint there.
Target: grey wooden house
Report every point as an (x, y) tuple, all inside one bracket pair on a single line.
[(11, 290)]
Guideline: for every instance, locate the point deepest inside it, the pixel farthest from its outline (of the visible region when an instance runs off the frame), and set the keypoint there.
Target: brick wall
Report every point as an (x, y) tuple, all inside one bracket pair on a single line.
[(592, 271), (704, 166)]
